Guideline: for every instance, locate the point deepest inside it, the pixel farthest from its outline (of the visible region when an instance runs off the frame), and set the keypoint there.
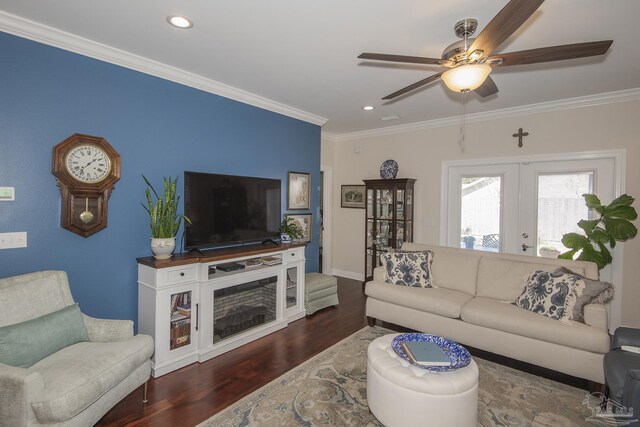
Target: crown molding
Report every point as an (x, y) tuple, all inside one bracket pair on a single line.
[(31, 30), (542, 107)]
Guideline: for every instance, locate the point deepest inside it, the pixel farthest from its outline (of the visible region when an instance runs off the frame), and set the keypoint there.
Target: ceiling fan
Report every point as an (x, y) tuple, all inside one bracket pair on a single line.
[(469, 61)]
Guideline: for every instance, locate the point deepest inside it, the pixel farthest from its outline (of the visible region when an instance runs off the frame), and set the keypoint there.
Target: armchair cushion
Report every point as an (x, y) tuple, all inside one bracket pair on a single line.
[(76, 376), (107, 330), (23, 344)]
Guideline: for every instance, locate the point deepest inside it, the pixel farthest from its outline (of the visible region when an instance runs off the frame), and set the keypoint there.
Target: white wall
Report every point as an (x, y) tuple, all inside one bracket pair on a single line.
[(421, 153)]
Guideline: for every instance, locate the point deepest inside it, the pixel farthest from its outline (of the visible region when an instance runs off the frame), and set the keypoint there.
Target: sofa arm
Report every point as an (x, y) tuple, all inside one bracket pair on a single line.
[(626, 336), (378, 274), (18, 388), (596, 315), (107, 330)]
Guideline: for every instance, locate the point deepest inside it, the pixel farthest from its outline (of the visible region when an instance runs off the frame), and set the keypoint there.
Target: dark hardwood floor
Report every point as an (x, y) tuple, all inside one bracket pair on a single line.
[(194, 393)]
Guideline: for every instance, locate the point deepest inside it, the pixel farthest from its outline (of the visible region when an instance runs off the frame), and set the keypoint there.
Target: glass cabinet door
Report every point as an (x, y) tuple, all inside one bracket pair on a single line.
[(292, 287), (389, 218), (180, 320)]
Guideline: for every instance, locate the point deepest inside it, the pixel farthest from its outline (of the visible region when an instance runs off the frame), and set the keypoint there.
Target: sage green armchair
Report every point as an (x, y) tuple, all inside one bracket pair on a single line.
[(76, 384)]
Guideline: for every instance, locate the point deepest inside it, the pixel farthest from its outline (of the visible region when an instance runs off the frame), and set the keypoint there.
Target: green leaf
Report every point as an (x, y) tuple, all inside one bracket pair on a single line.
[(621, 212), (599, 235), (574, 241), (588, 225), (590, 254), (620, 229), (593, 202), (568, 254), (624, 200)]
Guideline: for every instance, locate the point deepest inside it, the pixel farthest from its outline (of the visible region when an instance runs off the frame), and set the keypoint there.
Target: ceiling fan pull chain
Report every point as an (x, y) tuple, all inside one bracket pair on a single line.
[(463, 123)]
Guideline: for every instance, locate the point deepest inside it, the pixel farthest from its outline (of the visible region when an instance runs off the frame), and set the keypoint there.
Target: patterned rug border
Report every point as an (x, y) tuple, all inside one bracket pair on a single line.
[(292, 374)]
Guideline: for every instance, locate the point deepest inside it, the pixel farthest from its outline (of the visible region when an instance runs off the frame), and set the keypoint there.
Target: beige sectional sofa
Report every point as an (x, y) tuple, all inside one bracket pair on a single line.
[(471, 305)]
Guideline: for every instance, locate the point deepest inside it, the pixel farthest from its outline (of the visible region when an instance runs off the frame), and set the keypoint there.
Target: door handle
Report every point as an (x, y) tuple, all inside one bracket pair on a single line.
[(525, 247)]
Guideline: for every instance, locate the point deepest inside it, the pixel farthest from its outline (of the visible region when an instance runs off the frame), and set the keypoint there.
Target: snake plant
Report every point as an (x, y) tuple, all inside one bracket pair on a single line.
[(163, 211)]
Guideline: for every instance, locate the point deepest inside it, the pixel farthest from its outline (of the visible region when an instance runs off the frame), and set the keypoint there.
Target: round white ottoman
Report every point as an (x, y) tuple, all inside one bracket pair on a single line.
[(400, 394)]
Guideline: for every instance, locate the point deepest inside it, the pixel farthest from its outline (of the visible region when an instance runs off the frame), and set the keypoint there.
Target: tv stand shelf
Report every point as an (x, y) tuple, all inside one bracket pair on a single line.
[(181, 299)]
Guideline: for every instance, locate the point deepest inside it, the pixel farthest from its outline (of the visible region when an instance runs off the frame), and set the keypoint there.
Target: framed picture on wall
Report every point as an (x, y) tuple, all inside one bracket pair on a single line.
[(304, 221), (352, 196), (299, 190)]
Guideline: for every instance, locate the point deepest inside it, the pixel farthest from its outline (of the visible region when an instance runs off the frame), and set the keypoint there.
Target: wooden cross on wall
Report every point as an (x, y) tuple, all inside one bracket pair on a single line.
[(519, 135)]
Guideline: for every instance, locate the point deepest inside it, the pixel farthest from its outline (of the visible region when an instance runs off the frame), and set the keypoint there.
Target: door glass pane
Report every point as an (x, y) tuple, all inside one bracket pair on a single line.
[(480, 212), (385, 205), (400, 204), (292, 286), (180, 320), (560, 207)]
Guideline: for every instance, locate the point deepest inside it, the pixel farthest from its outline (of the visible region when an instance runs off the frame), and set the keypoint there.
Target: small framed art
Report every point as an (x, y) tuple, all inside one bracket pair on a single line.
[(304, 221), (352, 196), (299, 190)]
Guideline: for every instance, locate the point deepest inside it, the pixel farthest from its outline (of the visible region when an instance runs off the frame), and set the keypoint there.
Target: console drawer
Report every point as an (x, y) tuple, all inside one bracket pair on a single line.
[(295, 254), (182, 274)]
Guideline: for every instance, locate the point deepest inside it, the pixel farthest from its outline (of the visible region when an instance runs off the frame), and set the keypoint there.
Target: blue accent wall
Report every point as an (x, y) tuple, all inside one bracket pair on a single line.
[(160, 128)]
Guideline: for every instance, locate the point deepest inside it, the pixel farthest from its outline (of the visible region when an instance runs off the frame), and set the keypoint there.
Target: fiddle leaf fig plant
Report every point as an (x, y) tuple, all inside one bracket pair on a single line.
[(614, 224)]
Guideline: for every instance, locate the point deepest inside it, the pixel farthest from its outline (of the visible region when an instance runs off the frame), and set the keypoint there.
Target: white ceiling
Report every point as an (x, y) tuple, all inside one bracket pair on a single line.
[(300, 56)]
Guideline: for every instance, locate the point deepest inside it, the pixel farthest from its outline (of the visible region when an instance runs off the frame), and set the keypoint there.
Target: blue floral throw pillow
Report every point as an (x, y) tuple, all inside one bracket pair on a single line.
[(408, 268), (550, 294)]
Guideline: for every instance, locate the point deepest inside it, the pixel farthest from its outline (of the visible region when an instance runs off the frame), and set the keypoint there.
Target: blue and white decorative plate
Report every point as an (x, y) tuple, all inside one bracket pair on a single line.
[(389, 169), (458, 355)]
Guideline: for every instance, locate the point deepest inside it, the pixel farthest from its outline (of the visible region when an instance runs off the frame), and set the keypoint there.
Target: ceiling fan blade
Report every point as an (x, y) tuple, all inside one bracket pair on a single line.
[(414, 86), (551, 53), (403, 58), (505, 23), (487, 88)]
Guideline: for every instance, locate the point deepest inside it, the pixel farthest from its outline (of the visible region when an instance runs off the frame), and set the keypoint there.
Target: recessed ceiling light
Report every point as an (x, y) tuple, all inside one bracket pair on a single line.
[(367, 108), (179, 21)]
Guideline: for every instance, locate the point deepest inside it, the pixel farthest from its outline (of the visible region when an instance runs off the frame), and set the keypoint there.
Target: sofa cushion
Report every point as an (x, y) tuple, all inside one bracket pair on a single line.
[(502, 316), (23, 344), (591, 291), (408, 268), (78, 375), (503, 276), (551, 294), (450, 269), (440, 301)]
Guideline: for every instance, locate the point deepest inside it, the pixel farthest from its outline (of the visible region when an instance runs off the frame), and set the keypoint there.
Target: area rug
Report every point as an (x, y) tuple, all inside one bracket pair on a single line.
[(330, 390)]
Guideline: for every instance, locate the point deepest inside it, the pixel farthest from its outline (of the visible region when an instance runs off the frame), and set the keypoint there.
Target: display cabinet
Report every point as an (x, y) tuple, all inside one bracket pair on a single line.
[(389, 218)]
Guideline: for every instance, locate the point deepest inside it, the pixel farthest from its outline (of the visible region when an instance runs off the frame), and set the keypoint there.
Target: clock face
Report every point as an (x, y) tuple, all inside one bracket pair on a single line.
[(88, 163)]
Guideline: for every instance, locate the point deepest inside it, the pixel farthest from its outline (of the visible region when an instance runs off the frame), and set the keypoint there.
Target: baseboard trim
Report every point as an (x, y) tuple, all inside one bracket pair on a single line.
[(347, 274)]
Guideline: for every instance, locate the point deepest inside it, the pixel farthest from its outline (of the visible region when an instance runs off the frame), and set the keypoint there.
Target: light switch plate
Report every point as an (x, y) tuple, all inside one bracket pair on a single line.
[(13, 240), (7, 194)]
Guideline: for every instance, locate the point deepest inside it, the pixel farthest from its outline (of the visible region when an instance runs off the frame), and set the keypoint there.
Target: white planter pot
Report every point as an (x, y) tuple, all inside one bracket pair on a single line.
[(163, 248), (285, 238)]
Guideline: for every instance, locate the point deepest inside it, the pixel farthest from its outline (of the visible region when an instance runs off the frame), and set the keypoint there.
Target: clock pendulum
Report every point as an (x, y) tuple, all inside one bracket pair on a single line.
[(86, 216)]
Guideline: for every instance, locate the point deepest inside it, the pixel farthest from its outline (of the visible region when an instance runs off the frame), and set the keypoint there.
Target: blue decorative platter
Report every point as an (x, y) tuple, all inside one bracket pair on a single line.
[(458, 355), (389, 169)]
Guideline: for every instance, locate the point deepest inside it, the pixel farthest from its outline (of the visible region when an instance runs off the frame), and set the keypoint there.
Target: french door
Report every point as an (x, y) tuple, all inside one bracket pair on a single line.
[(523, 207)]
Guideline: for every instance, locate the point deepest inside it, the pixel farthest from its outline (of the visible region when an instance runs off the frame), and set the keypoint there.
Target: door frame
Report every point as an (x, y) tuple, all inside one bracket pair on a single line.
[(619, 172), (327, 207)]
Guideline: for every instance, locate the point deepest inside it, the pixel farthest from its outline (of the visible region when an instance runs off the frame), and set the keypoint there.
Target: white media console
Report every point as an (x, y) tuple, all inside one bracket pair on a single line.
[(194, 310)]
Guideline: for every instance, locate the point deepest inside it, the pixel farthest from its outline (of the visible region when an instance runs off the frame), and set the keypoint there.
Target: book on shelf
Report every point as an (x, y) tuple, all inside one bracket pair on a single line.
[(271, 260), (425, 353)]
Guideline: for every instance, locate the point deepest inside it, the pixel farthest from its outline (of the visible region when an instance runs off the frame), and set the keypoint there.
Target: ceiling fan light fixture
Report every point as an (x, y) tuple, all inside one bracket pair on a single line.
[(180, 21), (466, 77)]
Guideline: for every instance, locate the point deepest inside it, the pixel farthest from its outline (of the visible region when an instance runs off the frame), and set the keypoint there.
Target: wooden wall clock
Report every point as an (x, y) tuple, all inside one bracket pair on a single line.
[(86, 169)]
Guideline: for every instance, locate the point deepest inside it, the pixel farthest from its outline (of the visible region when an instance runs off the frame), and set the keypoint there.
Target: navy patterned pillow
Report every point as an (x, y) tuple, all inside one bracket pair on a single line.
[(408, 268), (551, 294)]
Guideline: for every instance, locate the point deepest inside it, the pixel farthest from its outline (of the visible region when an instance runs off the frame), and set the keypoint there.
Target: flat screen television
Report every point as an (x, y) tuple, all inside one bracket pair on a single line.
[(228, 210)]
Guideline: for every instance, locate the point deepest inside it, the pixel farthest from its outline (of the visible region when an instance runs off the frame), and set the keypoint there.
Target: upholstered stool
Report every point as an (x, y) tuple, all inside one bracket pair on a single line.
[(320, 291), (400, 394)]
